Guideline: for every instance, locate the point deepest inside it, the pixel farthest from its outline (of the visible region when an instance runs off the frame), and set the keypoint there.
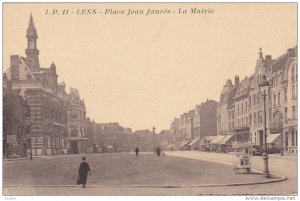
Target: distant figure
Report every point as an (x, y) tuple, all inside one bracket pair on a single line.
[(158, 151), (137, 151), (84, 169)]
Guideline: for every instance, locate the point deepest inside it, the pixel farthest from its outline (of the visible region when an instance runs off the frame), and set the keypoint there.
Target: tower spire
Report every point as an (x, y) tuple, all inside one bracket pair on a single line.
[(32, 52), (31, 30), (31, 19)]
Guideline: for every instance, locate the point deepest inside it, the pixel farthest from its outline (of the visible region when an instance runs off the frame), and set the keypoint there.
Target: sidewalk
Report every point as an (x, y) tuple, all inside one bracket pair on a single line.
[(279, 165)]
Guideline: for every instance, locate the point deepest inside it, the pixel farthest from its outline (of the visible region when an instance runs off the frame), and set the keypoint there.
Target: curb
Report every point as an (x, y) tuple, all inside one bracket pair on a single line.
[(157, 186)]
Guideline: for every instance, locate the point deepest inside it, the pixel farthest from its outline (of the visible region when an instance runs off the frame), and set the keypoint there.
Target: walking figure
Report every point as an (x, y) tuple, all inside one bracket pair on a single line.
[(158, 151), (84, 169), (137, 151)]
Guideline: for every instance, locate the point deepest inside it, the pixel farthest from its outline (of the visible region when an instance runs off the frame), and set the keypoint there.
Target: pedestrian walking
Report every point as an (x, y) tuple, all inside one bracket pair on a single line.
[(84, 170), (158, 151), (137, 151)]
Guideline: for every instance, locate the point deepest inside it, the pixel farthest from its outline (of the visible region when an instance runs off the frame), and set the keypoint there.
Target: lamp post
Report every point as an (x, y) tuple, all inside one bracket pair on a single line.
[(263, 86), (153, 131), (281, 134)]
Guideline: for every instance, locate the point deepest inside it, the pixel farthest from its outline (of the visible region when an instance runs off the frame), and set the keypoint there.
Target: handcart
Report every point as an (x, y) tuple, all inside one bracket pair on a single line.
[(242, 157)]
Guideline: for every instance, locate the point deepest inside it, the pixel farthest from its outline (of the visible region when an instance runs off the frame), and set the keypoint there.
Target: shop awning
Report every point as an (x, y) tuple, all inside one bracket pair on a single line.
[(170, 145), (218, 139), (184, 143), (58, 124), (226, 139), (207, 139), (109, 147), (194, 141), (180, 143), (13, 139), (273, 138)]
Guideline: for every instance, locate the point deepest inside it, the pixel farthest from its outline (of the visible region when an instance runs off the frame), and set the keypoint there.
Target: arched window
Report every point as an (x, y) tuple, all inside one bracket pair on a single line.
[(74, 133), (278, 98), (277, 117), (242, 108), (274, 99)]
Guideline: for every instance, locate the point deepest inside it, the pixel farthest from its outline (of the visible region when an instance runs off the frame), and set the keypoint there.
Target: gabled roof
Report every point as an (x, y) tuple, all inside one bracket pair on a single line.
[(24, 70), (231, 95), (279, 63)]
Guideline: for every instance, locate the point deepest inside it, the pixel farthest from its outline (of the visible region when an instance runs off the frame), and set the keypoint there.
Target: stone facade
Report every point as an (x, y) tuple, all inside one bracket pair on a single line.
[(187, 130), (240, 112), (76, 123), (15, 124), (244, 114), (283, 116), (44, 95), (208, 123)]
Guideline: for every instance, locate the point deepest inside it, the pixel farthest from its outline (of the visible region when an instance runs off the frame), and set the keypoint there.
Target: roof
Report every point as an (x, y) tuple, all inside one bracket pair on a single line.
[(13, 139), (280, 62), (231, 95), (243, 87), (228, 82)]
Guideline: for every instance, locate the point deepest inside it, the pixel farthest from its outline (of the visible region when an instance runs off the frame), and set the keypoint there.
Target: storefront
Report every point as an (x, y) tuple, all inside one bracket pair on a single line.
[(195, 144), (78, 145)]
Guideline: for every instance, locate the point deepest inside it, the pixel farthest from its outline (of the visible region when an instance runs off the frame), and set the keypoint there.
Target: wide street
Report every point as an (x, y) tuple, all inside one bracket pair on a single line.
[(184, 173)]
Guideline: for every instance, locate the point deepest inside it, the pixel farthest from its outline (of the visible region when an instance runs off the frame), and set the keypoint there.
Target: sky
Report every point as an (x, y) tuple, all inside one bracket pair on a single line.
[(144, 70)]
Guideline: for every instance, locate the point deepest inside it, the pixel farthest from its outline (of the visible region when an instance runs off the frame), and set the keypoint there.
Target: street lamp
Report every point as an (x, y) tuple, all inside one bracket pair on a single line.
[(281, 134), (263, 86), (153, 130)]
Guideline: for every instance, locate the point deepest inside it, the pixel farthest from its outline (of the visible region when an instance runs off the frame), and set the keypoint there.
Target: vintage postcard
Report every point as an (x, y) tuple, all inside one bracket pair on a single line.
[(146, 99)]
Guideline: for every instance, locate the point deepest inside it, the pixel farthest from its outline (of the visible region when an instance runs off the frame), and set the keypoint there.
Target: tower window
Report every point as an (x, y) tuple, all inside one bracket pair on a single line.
[(31, 44)]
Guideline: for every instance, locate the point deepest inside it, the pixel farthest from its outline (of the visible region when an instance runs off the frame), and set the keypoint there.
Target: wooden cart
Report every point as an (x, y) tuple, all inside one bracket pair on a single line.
[(242, 157)]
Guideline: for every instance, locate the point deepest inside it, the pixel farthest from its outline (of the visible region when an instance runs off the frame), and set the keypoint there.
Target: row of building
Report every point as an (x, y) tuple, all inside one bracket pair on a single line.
[(40, 117), (239, 114), (189, 128)]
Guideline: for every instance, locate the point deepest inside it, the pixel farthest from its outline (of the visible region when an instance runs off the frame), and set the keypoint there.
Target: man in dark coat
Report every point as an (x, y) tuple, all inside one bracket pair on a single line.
[(158, 151), (137, 151), (84, 169)]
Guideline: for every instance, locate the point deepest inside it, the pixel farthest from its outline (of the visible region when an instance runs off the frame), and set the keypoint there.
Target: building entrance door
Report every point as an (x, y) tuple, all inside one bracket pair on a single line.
[(74, 147)]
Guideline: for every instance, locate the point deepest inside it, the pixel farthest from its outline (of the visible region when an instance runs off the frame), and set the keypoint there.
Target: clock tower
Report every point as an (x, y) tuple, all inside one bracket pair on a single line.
[(32, 53)]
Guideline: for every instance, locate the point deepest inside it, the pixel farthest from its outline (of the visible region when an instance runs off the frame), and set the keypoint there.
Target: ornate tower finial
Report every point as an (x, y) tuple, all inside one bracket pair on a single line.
[(31, 19)]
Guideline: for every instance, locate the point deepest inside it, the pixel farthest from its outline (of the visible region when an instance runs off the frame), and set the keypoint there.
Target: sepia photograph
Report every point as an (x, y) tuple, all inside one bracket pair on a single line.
[(150, 99)]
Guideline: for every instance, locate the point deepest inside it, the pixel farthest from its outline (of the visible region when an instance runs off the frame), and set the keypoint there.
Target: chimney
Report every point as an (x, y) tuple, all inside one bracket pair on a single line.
[(236, 80), (291, 52), (268, 58), (14, 67)]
